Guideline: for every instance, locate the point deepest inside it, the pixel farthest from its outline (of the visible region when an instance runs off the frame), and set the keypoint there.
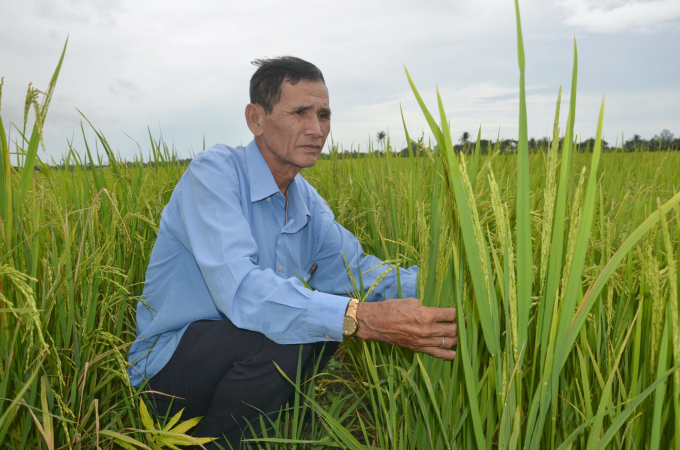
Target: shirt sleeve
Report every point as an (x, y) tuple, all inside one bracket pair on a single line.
[(226, 254), (332, 275)]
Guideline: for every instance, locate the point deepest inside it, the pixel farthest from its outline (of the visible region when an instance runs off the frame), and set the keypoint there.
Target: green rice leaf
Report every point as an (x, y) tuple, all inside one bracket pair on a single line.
[(524, 253)]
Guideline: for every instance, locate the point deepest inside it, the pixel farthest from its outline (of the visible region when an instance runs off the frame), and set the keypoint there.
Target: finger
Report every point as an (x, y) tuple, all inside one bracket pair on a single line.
[(441, 353), (442, 329), (441, 341), (442, 314)]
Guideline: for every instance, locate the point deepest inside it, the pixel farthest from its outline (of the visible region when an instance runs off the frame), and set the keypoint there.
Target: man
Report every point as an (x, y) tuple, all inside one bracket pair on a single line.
[(223, 301)]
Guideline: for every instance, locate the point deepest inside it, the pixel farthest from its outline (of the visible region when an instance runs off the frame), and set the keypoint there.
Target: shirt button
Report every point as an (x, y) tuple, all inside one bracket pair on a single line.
[(280, 267), (269, 199), (277, 194), (327, 337)]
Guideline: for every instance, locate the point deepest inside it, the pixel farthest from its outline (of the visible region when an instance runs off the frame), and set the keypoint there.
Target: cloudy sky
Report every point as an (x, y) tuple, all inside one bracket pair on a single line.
[(182, 68)]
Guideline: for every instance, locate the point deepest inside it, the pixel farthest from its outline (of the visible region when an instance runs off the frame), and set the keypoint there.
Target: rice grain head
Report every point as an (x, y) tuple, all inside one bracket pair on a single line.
[(549, 195), (574, 222), (503, 230)]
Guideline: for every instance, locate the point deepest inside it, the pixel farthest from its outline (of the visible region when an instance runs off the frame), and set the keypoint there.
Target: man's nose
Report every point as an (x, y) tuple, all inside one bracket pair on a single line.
[(314, 127)]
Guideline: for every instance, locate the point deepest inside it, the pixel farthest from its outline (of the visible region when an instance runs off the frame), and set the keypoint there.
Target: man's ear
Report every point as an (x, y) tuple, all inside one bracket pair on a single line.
[(255, 118)]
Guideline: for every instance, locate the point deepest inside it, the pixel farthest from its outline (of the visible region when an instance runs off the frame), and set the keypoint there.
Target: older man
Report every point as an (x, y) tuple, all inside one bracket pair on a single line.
[(223, 300)]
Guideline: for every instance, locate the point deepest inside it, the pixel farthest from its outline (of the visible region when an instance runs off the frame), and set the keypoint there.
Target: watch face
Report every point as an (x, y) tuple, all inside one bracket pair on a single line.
[(350, 326)]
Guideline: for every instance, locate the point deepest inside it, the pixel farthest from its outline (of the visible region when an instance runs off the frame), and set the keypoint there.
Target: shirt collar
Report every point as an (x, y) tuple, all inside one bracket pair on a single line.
[(262, 184)]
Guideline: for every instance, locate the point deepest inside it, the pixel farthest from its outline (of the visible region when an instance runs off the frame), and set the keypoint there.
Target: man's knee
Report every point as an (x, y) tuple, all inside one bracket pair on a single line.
[(291, 356)]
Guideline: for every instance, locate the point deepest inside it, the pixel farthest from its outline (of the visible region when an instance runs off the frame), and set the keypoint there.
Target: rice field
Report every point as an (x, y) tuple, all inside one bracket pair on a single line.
[(564, 263)]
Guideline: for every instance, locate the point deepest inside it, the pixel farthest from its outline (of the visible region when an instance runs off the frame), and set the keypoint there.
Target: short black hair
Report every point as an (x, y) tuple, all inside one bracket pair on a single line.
[(265, 84)]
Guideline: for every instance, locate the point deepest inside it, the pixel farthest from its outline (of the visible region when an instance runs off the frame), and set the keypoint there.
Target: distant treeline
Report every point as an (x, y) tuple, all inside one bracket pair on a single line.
[(88, 166), (664, 142)]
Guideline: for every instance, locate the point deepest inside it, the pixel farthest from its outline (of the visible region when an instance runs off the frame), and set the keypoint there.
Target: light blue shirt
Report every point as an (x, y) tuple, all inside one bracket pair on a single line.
[(228, 248)]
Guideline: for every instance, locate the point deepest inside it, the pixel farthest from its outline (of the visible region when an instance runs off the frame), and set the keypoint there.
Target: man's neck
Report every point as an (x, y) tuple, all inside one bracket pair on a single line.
[(284, 173)]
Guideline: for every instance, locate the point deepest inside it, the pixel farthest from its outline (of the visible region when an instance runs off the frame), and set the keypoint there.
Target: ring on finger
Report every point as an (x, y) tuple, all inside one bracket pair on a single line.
[(443, 342)]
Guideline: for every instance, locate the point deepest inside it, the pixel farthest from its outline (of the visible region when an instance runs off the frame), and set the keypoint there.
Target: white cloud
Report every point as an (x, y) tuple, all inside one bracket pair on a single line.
[(184, 67), (84, 12), (126, 89), (627, 17)]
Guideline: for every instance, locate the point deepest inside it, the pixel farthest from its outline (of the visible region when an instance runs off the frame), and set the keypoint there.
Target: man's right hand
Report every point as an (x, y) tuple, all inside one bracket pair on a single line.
[(403, 322)]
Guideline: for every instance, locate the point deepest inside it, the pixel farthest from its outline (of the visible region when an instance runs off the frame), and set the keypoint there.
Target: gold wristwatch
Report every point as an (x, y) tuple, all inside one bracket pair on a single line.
[(351, 324)]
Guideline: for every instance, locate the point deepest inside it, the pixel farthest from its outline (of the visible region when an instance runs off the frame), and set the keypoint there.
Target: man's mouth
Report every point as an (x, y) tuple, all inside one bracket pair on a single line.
[(311, 147)]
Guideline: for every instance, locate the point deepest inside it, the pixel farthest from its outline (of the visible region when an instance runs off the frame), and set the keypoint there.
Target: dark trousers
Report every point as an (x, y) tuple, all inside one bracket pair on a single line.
[(227, 375)]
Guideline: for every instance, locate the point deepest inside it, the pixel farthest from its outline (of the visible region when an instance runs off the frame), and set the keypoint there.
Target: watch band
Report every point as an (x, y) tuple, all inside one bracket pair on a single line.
[(351, 324), (352, 307)]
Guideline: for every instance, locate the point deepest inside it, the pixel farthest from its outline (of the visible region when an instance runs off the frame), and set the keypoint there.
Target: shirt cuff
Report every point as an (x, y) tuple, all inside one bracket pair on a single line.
[(409, 282), (326, 316)]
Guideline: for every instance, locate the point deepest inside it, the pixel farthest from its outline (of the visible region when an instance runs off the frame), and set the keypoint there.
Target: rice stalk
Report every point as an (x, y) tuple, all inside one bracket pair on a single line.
[(651, 268), (674, 319)]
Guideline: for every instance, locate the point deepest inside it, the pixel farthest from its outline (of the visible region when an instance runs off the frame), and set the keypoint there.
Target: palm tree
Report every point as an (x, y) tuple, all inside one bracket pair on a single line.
[(464, 138), (380, 137)]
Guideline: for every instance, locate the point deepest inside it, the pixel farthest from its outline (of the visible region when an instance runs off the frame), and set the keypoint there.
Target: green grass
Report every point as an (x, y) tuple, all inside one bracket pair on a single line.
[(564, 263)]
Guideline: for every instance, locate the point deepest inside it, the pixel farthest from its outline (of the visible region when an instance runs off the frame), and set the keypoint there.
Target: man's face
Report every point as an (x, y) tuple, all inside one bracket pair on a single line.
[(296, 130)]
